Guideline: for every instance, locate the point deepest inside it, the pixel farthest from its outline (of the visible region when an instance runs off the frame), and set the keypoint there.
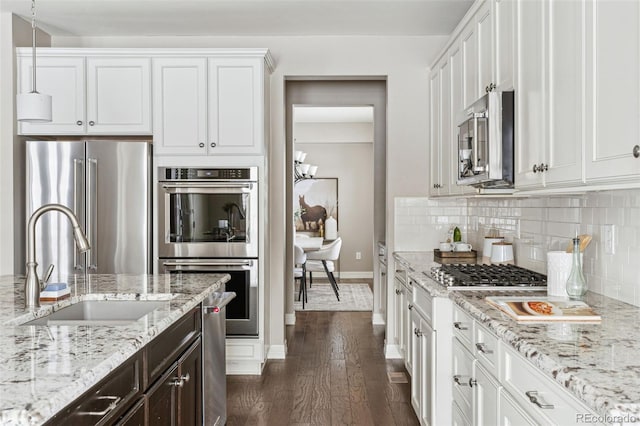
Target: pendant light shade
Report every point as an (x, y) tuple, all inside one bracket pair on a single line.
[(33, 107)]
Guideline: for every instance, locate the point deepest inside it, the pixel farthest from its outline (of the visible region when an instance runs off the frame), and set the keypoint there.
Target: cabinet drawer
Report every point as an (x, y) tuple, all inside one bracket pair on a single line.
[(485, 346), (463, 327), (538, 395), (106, 400), (462, 369), (423, 302), (165, 349)]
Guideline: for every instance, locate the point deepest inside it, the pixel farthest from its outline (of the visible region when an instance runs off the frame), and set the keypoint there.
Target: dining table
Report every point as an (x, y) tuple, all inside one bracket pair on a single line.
[(309, 243)]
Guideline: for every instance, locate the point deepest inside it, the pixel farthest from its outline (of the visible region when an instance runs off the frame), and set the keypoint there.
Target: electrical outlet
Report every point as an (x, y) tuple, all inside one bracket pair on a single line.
[(609, 239), (358, 255)]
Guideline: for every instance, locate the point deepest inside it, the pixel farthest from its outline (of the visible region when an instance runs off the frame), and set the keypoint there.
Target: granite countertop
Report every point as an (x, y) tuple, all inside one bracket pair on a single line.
[(44, 368), (597, 363)]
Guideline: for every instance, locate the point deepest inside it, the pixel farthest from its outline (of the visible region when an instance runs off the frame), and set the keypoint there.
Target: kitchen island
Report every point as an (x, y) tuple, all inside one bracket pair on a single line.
[(44, 368), (595, 363)]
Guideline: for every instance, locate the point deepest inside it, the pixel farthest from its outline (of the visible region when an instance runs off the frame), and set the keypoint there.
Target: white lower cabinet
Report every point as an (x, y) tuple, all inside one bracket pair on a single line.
[(422, 385), (495, 385), (511, 414)]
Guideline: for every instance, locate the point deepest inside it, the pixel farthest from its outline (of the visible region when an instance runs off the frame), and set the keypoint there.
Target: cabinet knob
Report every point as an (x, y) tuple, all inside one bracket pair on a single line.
[(543, 167), (91, 123), (410, 306), (213, 144), (535, 168), (397, 291), (79, 122), (201, 145), (472, 382), (636, 151)]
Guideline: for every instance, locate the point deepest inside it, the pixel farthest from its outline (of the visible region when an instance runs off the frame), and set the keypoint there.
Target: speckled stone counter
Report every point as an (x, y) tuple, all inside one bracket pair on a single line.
[(44, 368), (598, 363)]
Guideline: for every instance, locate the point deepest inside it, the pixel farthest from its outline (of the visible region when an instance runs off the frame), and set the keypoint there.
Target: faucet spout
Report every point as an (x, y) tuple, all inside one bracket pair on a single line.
[(32, 285)]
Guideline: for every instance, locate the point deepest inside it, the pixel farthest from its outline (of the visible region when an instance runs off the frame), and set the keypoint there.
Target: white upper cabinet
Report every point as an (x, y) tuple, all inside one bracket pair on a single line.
[(434, 129), (469, 46), (613, 91), (119, 95), (504, 43), (549, 94), (209, 105), (236, 105), (530, 94), (63, 78), (180, 105), (105, 95), (484, 31)]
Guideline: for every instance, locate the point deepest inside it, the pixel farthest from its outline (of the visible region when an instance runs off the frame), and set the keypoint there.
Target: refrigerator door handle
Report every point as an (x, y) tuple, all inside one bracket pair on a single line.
[(77, 163), (92, 207), (215, 304)]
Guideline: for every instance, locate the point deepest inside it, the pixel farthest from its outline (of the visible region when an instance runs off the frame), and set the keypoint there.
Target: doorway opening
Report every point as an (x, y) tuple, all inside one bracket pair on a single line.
[(340, 127)]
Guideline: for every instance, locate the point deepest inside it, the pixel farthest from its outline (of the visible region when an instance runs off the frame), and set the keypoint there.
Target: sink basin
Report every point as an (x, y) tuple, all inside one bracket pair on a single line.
[(100, 312)]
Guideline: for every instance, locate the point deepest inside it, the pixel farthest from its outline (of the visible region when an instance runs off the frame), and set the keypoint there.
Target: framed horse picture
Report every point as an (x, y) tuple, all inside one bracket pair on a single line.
[(314, 201)]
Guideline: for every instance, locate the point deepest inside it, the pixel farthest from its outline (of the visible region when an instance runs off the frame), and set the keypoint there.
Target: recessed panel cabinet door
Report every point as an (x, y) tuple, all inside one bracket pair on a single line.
[(565, 135), (180, 105), (435, 125), (63, 79), (613, 90), (446, 141), (162, 400), (485, 48), (530, 94), (235, 106), (119, 95)]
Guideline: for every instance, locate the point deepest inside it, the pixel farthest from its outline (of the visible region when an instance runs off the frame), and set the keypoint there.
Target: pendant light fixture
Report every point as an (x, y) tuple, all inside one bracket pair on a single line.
[(33, 107)]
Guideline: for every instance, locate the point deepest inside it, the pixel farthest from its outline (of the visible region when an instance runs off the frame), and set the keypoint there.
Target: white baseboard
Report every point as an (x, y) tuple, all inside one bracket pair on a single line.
[(392, 352), (356, 274), (377, 319), (290, 319), (251, 367), (277, 352)]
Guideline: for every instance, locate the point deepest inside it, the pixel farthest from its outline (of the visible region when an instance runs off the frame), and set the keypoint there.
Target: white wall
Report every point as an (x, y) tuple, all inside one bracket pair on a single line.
[(537, 225), (333, 133), (403, 60), (14, 32)]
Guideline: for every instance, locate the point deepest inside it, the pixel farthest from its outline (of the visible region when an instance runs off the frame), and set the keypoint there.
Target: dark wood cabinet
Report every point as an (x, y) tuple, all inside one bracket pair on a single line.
[(160, 385)]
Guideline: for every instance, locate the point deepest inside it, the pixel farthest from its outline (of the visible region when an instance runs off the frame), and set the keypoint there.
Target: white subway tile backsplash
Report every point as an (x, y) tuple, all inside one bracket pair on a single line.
[(537, 225)]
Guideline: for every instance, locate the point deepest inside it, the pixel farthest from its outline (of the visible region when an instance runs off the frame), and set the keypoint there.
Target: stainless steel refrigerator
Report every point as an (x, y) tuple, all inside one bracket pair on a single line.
[(107, 184)]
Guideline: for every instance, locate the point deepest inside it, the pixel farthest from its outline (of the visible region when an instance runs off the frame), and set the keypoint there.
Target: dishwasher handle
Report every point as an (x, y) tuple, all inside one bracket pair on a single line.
[(215, 304)]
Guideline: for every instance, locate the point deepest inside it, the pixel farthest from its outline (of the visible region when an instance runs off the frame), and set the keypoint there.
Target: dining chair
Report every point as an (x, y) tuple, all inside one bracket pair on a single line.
[(323, 260), (300, 273)]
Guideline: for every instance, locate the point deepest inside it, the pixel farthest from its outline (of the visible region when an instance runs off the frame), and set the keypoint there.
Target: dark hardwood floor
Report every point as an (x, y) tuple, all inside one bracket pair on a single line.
[(335, 373)]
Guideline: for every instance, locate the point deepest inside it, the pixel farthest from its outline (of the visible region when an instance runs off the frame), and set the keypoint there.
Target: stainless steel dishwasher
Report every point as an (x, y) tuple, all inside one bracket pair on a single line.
[(214, 372)]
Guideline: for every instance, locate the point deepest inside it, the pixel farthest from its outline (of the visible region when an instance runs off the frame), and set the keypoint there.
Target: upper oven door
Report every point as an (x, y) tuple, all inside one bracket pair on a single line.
[(208, 219)]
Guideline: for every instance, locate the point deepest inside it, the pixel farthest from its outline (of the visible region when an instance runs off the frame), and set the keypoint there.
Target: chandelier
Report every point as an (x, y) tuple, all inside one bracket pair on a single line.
[(302, 170)]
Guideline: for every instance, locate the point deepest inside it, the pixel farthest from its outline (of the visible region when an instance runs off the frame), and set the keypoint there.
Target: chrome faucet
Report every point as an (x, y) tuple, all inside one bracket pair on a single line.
[(32, 285)]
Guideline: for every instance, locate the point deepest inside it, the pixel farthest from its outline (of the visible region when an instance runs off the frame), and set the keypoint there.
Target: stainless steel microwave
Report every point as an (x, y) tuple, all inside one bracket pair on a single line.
[(486, 142)]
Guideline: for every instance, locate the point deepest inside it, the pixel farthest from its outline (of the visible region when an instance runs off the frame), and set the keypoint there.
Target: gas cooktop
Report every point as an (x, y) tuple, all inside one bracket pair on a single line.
[(487, 277)]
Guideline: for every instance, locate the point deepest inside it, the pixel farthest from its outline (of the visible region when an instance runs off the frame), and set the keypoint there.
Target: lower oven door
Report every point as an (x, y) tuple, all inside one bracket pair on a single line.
[(242, 312)]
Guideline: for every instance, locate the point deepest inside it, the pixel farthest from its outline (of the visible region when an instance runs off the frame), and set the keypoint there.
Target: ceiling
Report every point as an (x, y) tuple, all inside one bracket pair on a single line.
[(242, 17)]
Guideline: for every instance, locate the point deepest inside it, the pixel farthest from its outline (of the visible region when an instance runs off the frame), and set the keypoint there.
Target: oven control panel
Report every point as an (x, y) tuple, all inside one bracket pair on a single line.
[(188, 173)]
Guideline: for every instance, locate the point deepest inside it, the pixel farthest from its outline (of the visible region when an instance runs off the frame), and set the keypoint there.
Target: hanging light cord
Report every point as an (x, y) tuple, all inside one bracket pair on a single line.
[(33, 46)]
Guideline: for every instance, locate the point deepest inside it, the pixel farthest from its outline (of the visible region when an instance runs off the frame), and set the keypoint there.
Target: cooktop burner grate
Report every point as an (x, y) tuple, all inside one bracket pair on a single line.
[(478, 275)]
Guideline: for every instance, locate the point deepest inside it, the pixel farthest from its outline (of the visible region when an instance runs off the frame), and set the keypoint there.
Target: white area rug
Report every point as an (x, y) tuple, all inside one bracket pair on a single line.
[(353, 297)]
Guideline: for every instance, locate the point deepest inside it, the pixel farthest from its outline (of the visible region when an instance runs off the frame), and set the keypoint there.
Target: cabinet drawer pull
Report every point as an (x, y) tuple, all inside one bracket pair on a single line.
[(458, 380), (91, 123), (459, 326), (114, 402), (483, 348), (79, 122), (534, 398), (636, 151)]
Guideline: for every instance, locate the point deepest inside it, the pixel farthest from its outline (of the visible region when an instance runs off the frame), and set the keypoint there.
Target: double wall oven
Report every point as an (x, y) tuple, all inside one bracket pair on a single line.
[(208, 223)]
